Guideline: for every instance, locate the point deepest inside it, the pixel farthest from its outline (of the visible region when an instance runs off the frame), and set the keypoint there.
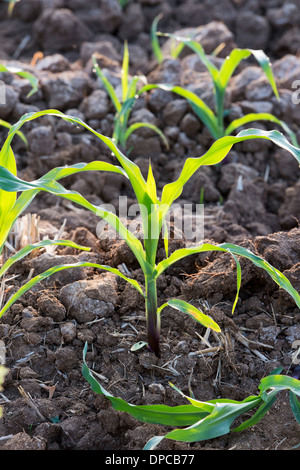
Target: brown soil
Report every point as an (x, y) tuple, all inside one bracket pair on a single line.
[(47, 404)]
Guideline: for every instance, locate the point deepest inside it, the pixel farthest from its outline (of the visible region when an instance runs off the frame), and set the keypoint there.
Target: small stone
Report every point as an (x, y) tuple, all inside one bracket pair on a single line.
[(87, 300), (65, 359), (59, 30), (109, 419), (259, 90), (132, 23), (41, 140), (240, 81), (252, 29), (36, 324), (190, 125), (286, 70), (96, 105), (11, 98), (292, 334), (68, 331), (256, 106), (49, 305), (27, 10), (107, 18), (286, 16), (66, 89), (104, 48), (55, 63), (174, 112), (157, 388), (269, 334)]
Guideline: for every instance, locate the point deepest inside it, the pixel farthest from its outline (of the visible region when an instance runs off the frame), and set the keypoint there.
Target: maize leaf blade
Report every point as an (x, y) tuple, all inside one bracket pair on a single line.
[(295, 405), (35, 246), (252, 117), (217, 152), (154, 39), (49, 272), (132, 170), (10, 181), (23, 74), (181, 415), (193, 312), (234, 250)]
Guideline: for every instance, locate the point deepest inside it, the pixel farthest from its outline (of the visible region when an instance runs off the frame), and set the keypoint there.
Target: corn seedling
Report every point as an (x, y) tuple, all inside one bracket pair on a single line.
[(157, 50), (123, 105), (214, 120), (200, 420), (176, 47), (11, 208), (153, 209)]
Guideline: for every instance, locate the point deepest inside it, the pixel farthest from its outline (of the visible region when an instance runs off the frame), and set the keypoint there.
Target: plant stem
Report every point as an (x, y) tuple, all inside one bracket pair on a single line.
[(220, 110), (153, 319)]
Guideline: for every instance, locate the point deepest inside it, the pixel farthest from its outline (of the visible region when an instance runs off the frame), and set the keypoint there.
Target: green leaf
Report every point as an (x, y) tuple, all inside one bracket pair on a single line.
[(216, 424), (193, 312), (259, 414), (35, 246), (295, 405), (151, 185), (153, 442), (55, 269), (265, 64), (278, 383), (138, 125), (108, 87), (216, 153), (234, 250), (132, 170), (124, 71), (7, 201), (252, 117), (154, 39), (274, 273), (23, 74), (269, 388), (198, 49), (11, 182), (181, 415), (138, 345), (20, 134), (204, 112), (233, 60), (20, 205), (9, 185), (215, 417)]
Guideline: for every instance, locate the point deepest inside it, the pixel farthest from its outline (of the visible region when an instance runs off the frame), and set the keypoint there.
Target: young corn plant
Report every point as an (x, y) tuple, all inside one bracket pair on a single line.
[(15, 197), (123, 105), (157, 50), (214, 119), (202, 420), (154, 211)]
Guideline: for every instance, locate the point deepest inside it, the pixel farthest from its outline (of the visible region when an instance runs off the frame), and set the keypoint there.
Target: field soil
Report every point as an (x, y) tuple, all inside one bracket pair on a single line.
[(251, 199)]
